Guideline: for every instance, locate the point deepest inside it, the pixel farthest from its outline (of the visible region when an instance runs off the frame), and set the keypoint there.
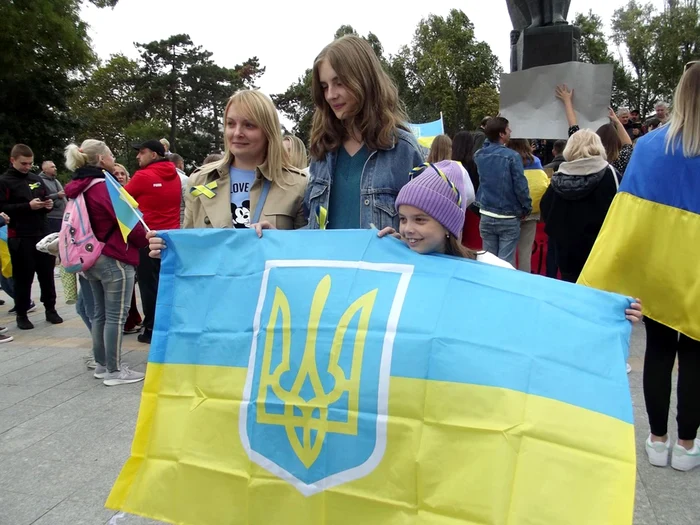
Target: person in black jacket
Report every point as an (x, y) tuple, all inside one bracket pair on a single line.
[(577, 201), (25, 199)]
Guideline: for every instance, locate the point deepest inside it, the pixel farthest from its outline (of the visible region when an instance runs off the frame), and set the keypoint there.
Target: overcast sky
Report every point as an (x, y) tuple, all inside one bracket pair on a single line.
[(287, 36)]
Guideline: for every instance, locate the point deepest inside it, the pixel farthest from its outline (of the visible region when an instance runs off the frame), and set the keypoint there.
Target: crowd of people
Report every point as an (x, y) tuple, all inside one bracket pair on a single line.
[(363, 169)]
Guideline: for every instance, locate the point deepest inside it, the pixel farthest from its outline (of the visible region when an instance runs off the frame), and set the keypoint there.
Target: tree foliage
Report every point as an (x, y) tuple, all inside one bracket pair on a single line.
[(174, 90), (38, 67), (444, 66)]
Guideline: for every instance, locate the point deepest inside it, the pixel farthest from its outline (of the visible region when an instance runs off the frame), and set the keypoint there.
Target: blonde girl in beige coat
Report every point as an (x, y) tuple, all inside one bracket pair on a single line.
[(227, 193)]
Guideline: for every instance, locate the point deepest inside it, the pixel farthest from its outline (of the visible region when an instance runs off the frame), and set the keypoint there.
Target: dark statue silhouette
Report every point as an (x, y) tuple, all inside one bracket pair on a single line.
[(529, 15), (537, 13)]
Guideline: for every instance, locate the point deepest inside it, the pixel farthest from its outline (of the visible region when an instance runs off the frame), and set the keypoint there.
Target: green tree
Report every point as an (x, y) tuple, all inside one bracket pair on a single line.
[(45, 49), (594, 49), (677, 41), (297, 104), (441, 70), (165, 69), (107, 103), (484, 101)]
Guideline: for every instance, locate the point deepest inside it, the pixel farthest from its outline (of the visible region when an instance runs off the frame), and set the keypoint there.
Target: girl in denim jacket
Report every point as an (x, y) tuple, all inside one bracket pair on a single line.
[(361, 148)]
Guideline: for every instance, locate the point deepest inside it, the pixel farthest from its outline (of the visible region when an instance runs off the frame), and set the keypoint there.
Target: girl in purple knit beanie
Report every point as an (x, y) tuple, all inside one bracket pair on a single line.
[(431, 216), (431, 212)]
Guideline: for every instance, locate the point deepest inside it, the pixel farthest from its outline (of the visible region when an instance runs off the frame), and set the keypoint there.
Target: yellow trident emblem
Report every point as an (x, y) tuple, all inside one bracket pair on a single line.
[(312, 415)]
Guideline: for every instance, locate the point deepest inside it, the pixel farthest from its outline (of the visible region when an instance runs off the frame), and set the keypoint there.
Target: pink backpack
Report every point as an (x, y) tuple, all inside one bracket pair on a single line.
[(78, 247)]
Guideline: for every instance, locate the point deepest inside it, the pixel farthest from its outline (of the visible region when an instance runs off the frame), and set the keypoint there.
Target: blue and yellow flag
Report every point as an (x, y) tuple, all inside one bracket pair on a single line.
[(426, 133), (649, 245), (5, 262), (125, 206), (335, 378)]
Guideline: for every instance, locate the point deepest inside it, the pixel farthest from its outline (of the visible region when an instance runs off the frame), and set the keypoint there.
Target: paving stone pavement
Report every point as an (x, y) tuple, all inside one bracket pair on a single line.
[(64, 436)]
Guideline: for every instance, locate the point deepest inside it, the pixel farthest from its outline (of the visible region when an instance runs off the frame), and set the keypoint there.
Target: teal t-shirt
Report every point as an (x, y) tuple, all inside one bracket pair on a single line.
[(344, 203)]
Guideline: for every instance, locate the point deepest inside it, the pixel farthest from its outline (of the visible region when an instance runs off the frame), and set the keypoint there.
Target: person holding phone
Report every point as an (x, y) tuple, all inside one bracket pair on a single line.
[(56, 194)]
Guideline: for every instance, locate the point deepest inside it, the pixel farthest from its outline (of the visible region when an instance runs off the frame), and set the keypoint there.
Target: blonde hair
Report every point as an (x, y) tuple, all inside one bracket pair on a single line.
[(584, 144), (166, 144), (259, 109), (440, 149), (684, 125), (88, 154), (379, 111), (298, 157), (126, 171)]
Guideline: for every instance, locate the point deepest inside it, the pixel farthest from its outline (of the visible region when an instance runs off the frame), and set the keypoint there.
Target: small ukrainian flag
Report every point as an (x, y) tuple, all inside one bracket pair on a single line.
[(125, 206)]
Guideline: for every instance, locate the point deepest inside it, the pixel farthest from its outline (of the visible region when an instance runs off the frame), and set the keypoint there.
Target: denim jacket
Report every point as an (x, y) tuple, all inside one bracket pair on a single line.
[(502, 184), (384, 174)]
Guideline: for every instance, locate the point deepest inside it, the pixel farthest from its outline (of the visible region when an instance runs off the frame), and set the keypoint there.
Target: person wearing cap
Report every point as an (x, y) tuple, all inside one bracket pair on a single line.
[(156, 187)]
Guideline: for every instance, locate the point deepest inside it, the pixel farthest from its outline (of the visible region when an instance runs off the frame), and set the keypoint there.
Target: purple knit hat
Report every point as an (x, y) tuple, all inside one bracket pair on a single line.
[(444, 200)]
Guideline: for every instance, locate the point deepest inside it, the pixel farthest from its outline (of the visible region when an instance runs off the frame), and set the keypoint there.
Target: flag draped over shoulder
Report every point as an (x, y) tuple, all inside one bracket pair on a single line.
[(649, 246), (125, 206), (335, 378)]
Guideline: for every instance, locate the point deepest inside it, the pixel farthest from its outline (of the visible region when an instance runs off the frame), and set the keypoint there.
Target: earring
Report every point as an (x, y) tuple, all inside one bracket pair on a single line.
[(447, 235)]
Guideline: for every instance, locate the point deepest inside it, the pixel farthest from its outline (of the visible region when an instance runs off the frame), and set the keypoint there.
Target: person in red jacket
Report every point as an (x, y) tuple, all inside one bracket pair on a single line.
[(112, 276), (156, 187)]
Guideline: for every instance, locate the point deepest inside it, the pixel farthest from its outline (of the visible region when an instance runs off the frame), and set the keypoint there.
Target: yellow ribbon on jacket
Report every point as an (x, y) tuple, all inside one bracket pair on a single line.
[(322, 217), (204, 189)]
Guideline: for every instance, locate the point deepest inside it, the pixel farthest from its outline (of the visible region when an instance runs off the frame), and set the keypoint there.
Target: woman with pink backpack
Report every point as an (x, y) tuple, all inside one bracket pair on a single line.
[(111, 275)]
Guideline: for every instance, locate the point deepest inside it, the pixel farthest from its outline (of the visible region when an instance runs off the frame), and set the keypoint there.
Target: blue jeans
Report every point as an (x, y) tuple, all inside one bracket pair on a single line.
[(112, 283), (7, 285), (500, 236), (86, 303)]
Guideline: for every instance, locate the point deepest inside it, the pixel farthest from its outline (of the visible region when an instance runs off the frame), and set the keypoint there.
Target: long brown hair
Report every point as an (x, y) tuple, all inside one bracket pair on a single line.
[(522, 147), (611, 141), (457, 249), (379, 111), (441, 149)]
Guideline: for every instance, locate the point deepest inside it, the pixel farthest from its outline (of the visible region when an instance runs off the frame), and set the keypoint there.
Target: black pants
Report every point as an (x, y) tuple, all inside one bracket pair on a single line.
[(148, 273), (552, 268), (663, 343), (55, 225), (26, 261)]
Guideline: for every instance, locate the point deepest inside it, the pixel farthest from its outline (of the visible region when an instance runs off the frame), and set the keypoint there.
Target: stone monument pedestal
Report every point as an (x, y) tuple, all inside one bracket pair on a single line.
[(543, 46)]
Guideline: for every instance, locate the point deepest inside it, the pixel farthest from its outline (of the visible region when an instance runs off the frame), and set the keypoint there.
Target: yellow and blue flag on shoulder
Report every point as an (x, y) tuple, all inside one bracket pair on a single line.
[(649, 245), (125, 206), (335, 378)]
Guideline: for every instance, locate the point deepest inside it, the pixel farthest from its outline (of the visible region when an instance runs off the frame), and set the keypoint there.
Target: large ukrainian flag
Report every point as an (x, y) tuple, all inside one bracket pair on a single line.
[(649, 246), (335, 378)]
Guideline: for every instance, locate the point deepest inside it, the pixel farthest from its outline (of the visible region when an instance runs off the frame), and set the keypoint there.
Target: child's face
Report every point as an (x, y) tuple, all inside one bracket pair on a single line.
[(420, 231)]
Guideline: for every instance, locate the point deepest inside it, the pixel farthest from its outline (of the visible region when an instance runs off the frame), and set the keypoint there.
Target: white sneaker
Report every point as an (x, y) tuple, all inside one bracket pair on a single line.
[(657, 451), (683, 459), (629, 368), (100, 371), (123, 377)]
